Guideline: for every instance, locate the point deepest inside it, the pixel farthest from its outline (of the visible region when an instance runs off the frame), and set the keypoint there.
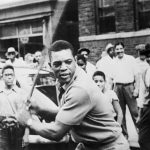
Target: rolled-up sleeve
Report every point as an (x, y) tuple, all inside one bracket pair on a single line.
[(77, 105)]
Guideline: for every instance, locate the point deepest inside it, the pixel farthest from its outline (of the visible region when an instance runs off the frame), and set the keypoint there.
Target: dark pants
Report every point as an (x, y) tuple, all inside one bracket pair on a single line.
[(144, 129), (10, 139), (125, 95)]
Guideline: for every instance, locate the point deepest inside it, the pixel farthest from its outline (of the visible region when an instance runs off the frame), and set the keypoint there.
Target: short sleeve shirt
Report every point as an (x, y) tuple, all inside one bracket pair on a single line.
[(11, 102), (111, 96), (85, 108)]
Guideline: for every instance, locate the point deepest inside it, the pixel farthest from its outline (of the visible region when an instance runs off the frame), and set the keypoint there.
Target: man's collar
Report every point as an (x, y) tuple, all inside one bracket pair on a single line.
[(14, 88)]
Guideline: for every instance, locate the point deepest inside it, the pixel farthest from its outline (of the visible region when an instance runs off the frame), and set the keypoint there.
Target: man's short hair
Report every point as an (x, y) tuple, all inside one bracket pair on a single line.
[(81, 57), (7, 67), (99, 73), (61, 45), (119, 43), (83, 49)]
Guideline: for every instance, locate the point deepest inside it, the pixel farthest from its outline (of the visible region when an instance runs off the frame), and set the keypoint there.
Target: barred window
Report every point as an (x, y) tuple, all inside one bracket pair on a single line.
[(106, 16), (144, 14)]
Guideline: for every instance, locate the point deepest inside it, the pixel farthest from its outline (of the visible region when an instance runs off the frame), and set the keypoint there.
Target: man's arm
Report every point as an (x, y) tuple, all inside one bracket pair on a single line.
[(136, 78), (53, 131), (118, 111), (136, 85)]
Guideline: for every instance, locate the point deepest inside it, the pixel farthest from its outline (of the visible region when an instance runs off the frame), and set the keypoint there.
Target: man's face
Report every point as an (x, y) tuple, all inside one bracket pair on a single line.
[(8, 76), (111, 52), (100, 82), (142, 57), (38, 56), (11, 55), (81, 64), (119, 50), (63, 65), (85, 54)]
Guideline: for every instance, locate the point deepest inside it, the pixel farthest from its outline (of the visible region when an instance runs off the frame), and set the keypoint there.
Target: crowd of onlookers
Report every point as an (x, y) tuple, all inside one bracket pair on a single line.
[(29, 60), (123, 79)]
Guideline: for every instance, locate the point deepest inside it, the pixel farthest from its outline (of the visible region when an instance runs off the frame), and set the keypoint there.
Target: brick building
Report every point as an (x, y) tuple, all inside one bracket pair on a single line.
[(27, 24), (103, 21)]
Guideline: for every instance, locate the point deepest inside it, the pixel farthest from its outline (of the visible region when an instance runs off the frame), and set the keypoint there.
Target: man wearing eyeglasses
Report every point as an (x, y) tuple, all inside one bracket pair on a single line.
[(83, 110), (126, 78), (11, 99)]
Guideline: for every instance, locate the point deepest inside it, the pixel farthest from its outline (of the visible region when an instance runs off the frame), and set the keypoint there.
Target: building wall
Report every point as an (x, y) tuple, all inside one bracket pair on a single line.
[(97, 46), (66, 25), (126, 23), (86, 10), (124, 15)]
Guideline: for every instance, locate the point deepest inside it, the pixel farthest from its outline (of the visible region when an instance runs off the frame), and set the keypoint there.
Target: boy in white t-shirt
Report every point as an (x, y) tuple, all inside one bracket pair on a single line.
[(100, 79)]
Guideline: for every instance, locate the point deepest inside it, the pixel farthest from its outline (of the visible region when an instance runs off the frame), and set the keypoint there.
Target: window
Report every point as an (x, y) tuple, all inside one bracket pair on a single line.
[(144, 14), (106, 16), (8, 30)]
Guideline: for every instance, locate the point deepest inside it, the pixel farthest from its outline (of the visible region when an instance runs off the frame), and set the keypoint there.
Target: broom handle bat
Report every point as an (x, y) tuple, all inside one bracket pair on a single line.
[(36, 77)]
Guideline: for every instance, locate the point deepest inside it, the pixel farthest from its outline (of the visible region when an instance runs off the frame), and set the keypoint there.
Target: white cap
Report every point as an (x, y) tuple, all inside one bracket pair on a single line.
[(10, 50), (109, 45)]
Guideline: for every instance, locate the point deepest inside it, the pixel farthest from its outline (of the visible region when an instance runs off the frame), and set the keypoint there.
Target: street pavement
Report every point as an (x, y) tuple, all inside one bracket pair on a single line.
[(133, 136)]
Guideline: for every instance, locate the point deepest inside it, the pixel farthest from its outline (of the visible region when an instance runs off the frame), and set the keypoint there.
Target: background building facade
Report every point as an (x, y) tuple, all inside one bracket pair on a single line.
[(103, 21), (27, 25)]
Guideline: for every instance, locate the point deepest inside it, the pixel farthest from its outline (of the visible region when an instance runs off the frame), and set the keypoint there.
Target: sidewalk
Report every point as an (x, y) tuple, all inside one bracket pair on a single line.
[(133, 136)]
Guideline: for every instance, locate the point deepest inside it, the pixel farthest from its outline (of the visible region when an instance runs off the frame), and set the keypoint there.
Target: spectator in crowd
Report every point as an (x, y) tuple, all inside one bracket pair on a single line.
[(11, 99), (126, 78), (83, 109), (90, 68), (143, 66), (37, 58), (81, 61), (105, 64), (29, 59), (100, 79), (144, 121), (147, 47), (11, 55)]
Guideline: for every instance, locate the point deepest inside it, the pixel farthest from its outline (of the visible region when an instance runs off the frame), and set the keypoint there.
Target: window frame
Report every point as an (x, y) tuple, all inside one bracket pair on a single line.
[(105, 17)]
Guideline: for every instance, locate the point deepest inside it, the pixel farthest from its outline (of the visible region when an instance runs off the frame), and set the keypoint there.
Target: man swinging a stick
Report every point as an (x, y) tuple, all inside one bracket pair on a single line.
[(83, 110)]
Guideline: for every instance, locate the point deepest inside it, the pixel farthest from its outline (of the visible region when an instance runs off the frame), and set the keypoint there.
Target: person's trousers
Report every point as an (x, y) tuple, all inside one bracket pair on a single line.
[(125, 95), (10, 141), (144, 129)]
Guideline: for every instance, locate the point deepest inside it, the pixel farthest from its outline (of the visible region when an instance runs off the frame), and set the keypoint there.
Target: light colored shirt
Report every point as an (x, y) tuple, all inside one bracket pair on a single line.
[(106, 65), (143, 66), (90, 69), (125, 69), (111, 96), (86, 109), (146, 90), (16, 63), (11, 101)]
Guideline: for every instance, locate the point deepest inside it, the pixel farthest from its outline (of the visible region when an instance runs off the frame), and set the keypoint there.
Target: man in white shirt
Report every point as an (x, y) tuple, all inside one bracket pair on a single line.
[(143, 122), (143, 66), (105, 64), (126, 78)]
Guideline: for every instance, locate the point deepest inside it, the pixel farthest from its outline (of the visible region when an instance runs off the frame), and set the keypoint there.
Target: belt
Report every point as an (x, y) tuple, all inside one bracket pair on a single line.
[(96, 145), (124, 84)]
